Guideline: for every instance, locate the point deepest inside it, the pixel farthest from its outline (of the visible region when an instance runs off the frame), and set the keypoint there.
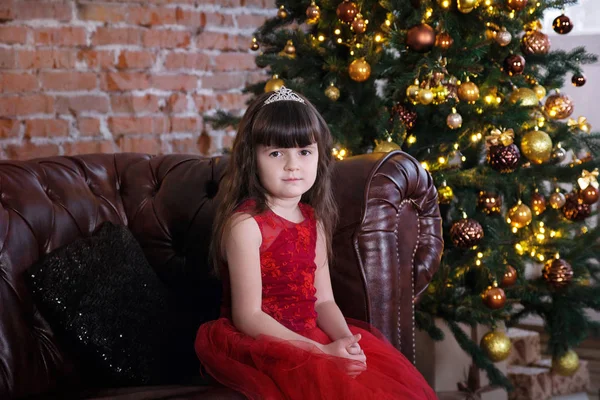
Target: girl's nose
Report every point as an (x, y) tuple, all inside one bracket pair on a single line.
[(292, 164)]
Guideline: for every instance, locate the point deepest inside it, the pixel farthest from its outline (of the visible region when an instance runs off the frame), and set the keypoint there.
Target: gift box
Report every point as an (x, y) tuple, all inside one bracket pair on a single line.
[(444, 364), (530, 383), (578, 382), (525, 347)]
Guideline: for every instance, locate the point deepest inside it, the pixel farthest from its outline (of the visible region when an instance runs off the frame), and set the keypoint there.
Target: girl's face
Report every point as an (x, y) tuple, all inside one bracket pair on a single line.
[(287, 173)]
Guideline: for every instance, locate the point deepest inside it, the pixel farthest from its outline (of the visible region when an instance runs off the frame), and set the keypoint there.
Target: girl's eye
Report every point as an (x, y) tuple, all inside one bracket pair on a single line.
[(305, 152), (275, 154)]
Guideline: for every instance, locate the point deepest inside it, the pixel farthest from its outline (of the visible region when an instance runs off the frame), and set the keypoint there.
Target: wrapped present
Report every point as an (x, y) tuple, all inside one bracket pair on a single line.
[(525, 346), (578, 382), (445, 365), (530, 383)]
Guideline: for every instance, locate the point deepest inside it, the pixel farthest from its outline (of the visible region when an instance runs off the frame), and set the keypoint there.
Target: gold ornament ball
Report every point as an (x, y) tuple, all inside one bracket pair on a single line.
[(359, 70), (359, 25), (558, 106), (557, 200), (273, 84), (289, 48), (466, 6), (440, 94), (536, 146), (567, 364), (332, 93), (494, 297), (412, 92), (535, 42), (503, 38), (469, 92), (516, 5), (445, 194), (282, 13), (525, 96), (385, 146), (519, 215), (538, 203), (313, 13), (425, 96), (539, 91), (346, 11), (496, 345), (454, 120)]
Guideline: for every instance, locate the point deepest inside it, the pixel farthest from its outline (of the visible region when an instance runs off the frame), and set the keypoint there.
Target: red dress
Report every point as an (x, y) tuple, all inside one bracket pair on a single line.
[(271, 368)]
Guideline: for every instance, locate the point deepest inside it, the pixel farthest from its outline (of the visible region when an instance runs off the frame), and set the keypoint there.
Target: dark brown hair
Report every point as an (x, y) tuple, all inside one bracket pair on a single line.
[(280, 124)]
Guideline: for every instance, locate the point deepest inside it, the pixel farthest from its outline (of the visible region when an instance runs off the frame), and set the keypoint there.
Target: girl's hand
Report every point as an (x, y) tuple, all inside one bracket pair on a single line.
[(349, 349)]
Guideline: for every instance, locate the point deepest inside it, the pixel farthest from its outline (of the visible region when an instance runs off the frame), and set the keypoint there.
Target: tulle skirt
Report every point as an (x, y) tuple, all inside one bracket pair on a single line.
[(269, 368)]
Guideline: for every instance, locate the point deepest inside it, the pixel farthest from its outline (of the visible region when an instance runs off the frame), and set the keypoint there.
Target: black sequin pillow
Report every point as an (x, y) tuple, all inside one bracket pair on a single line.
[(110, 311)]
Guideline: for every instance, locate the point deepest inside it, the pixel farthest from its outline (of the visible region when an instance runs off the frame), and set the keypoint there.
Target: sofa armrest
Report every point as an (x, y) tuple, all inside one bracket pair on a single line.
[(388, 242)]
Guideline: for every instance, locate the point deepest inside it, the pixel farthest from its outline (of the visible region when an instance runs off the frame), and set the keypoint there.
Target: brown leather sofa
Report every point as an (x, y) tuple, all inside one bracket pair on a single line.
[(388, 244)]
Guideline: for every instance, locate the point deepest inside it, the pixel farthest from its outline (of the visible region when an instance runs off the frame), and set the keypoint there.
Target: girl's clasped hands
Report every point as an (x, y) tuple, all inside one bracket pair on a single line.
[(348, 348)]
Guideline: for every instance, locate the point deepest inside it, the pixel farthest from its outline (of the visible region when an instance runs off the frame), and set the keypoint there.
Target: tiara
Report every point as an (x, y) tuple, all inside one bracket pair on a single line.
[(284, 94)]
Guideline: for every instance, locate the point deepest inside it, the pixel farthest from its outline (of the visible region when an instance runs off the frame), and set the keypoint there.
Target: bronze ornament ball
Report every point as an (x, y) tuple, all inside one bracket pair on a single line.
[(359, 70), (538, 203), (558, 106), (514, 64), (557, 272), (346, 11), (466, 233), (578, 80), (420, 38), (535, 42), (469, 92), (494, 297), (516, 5), (562, 24), (589, 195), (575, 209), (504, 159), (489, 203), (557, 200), (510, 276)]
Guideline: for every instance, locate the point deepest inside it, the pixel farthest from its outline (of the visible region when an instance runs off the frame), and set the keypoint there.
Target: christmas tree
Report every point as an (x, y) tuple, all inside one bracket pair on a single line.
[(471, 89)]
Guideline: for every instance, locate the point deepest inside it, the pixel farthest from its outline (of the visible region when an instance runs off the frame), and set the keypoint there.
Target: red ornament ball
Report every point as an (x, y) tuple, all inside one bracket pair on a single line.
[(420, 38)]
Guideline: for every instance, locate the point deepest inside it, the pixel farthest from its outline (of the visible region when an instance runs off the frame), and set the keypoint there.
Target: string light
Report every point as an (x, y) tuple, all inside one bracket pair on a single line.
[(411, 139)]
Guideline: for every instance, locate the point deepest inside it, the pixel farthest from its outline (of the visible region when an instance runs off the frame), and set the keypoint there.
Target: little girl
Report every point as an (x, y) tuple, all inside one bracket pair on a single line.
[(281, 335)]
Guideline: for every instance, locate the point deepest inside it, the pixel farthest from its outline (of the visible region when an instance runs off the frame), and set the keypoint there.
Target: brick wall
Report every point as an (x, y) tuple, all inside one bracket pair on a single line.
[(117, 75)]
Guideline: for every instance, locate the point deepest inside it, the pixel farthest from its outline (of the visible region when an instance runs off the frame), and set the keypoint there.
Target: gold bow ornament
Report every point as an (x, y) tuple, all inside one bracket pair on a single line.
[(588, 178), (580, 123), (497, 137)]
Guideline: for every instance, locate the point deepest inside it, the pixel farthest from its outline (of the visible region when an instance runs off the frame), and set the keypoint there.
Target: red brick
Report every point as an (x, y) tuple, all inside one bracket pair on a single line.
[(46, 127), (71, 36), (13, 34), (187, 61), (232, 101), (150, 16), (101, 12), (9, 128), (185, 124), (8, 59), (161, 2), (89, 147), (175, 82), (219, 20), (7, 10), (28, 150), (121, 81), (222, 41), (223, 81), (234, 61), (47, 58), (246, 21), (97, 58), (166, 39), (35, 9), (131, 125), (184, 146), (88, 126), (78, 104), (106, 36), (205, 102), (70, 80), (177, 103), (139, 145), (17, 82), (135, 59), (26, 104), (194, 19), (134, 104)]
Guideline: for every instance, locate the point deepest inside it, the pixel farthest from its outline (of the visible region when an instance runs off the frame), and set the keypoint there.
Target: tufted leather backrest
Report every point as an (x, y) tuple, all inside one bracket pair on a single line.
[(168, 202)]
